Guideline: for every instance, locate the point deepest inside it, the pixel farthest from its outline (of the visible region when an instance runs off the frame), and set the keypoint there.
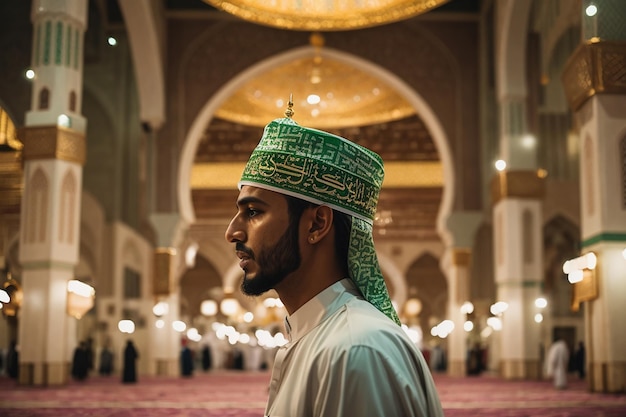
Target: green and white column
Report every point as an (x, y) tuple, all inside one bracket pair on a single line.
[(54, 154)]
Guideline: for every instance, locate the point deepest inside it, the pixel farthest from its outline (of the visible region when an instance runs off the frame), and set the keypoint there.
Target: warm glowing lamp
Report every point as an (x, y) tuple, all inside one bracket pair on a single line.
[(80, 298), (126, 326), (161, 308), (208, 308), (413, 307), (229, 306)]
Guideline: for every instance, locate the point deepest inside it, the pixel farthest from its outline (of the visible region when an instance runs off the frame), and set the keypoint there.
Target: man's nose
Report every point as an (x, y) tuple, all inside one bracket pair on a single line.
[(233, 232)]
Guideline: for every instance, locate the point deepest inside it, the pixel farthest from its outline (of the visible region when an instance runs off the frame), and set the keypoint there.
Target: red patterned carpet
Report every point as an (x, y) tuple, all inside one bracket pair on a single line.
[(243, 394)]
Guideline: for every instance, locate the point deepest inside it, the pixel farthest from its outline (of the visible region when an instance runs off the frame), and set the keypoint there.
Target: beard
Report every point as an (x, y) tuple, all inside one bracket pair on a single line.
[(274, 263)]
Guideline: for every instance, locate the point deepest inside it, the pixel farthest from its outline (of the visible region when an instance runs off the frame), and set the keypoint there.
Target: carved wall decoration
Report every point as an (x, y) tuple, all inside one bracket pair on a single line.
[(37, 203)]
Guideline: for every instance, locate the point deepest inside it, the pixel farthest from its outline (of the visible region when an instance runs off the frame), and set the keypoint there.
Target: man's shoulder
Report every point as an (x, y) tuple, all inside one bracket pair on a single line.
[(361, 324)]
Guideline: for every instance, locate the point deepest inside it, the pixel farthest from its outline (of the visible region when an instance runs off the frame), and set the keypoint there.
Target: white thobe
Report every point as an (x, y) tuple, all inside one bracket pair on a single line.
[(346, 358), (558, 357)]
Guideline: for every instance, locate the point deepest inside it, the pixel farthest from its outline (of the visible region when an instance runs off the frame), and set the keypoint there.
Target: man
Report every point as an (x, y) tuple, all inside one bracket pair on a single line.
[(557, 361), (304, 228)]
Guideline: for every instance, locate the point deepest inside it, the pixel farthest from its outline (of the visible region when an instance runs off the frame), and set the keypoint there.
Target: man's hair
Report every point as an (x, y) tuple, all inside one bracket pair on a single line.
[(341, 221)]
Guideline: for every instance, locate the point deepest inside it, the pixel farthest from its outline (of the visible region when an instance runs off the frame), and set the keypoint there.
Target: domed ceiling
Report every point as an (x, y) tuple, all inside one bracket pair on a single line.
[(330, 94)]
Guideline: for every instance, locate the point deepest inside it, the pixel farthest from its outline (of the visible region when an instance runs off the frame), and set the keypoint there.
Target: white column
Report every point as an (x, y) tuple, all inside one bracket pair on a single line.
[(518, 260), (595, 92), (54, 152), (169, 229)]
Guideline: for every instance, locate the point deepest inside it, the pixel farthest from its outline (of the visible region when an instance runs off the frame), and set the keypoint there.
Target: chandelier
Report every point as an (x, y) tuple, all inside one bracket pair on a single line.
[(316, 15)]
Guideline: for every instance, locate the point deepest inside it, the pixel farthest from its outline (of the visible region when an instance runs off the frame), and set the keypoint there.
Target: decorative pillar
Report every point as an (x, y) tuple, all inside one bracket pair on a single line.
[(462, 227), (165, 336), (458, 287), (54, 153), (594, 86), (518, 244), (166, 289)]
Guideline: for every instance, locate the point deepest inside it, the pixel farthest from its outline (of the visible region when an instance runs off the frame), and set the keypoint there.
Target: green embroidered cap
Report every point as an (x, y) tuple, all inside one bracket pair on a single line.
[(326, 169)]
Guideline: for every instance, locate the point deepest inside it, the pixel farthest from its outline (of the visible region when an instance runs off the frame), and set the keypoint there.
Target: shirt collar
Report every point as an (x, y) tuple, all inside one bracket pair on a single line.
[(319, 308)]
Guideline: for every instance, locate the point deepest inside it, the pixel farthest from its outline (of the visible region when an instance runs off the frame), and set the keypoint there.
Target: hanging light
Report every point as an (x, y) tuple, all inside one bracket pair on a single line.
[(208, 308), (467, 307), (325, 15), (161, 308), (541, 302), (229, 306), (468, 326), (126, 326), (179, 326), (413, 307), (498, 308), (80, 298), (495, 323), (248, 317)]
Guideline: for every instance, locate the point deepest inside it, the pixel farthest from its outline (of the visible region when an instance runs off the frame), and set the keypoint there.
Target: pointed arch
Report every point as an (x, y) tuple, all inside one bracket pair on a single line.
[(561, 241), (511, 36), (426, 281), (422, 108)]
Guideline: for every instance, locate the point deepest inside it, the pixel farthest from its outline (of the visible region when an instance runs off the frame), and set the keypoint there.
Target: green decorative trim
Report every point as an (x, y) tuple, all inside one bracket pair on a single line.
[(37, 44), (58, 48), (76, 48), (604, 237), (46, 43), (68, 46), (48, 265), (522, 283)]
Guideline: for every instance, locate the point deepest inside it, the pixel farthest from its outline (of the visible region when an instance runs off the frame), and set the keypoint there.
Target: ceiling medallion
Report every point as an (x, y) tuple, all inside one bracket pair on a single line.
[(316, 15)]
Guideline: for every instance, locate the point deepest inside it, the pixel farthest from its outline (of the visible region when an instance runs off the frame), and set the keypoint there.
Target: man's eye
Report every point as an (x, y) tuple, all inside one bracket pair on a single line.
[(252, 212)]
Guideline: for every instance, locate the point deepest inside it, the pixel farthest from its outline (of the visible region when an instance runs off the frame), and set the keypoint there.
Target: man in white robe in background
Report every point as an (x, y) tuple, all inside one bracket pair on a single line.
[(557, 361)]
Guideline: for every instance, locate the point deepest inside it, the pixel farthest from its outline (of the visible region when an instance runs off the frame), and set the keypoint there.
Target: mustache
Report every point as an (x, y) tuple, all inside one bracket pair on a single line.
[(240, 247)]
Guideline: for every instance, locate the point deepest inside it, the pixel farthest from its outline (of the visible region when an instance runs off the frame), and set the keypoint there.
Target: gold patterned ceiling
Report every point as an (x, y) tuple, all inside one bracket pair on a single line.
[(323, 15), (327, 94)]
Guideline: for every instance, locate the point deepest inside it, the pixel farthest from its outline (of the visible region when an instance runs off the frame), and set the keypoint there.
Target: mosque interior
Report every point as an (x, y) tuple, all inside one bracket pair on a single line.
[(125, 124)]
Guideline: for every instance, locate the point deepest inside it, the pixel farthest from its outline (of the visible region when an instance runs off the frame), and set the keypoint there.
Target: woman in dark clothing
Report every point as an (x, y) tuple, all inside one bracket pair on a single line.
[(80, 362), (206, 358), (13, 360), (130, 357), (579, 360), (186, 360)]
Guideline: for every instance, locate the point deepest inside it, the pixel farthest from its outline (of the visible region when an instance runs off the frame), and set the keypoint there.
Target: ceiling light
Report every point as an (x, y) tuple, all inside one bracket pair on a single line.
[(313, 99), (325, 15)]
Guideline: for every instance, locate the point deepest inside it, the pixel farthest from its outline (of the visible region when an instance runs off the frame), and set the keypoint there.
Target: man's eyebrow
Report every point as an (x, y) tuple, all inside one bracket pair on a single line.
[(250, 199)]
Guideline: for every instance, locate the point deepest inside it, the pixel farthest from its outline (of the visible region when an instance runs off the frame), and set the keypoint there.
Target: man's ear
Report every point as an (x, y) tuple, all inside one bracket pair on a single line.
[(322, 223)]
